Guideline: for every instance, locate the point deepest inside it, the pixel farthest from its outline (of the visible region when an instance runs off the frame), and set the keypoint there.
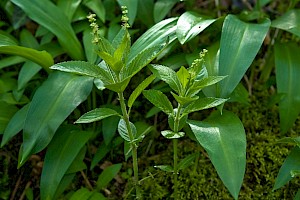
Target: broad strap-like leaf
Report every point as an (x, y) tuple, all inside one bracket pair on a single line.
[(86, 194), (52, 18), (240, 43), (203, 103), (224, 139), (160, 100), (289, 21), (97, 114), (52, 103), (61, 153), (190, 24), (9, 46), (84, 68), (15, 125), (123, 131), (287, 63), (168, 75), (139, 89), (107, 175), (292, 162)]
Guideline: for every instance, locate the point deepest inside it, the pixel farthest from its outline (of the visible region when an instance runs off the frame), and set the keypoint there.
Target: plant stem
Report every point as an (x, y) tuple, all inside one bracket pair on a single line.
[(132, 144)]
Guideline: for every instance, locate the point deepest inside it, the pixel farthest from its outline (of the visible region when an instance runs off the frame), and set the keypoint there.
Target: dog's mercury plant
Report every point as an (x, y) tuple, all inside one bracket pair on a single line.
[(186, 84), (117, 67)]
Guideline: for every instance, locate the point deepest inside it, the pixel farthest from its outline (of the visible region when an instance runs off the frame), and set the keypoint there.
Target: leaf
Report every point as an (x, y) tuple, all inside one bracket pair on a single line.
[(81, 194), (289, 21), (7, 112), (52, 18), (191, 24), (123, 48), (184, 100), (240, 43), (139, 89), (223, 137), (166, 168), (183, 76), (89, 47), (205, 82), (124, 132), (155, 36), (83, 68), (132, 9), (203, 103), (97, 114), (287, 75), (141, 60), (61, 152), (107, 175), (290, 140), (8, 46), (15, 124), (181, 123), (54, 100), (162, 8), (27, 72), (160, 100), (119, 86), (187, 161), (168, 75), (145, 12), (172, 135), (102, 151), (11, 60), (292, 162), (68, 7)]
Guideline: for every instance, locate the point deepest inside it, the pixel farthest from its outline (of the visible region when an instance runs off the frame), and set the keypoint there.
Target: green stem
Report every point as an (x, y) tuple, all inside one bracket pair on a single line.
[(132, 144)]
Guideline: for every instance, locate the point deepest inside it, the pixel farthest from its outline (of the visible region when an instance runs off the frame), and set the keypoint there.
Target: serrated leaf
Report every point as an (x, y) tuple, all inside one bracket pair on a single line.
[(96, 115), (119, 86), (139, 89), (183, 76), (172, 135), (187, 161), (292, 162), (124, 47), (203, 103), (123, 131), (168, 75), (160, 100), (111, 61), (166, 168), (182, 121), (224, 139), (190, 24), (107, 175), (84, 68), (184, 100)]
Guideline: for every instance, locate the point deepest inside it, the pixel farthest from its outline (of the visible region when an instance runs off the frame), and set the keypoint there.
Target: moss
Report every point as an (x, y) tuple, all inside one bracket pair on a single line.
[(264, 159)]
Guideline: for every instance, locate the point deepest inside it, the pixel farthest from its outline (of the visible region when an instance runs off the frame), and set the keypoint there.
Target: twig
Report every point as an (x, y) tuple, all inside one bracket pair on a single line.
[(87, 182), (13, 194), (24, 191)]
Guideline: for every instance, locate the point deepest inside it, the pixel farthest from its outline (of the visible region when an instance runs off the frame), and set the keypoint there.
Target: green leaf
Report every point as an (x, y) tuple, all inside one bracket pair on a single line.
[(182, 121), (107, 175), (97, 114), (160, 100), (89, 47), (102, 151), (292, 162), (162, 8), (11, 60), (7, 112), (78, 162), (145, 12), (132, 9), (139, 89), (97, 7), (84, 68), (287, 78), (205, 82), (290, 140), (54, 100), (223, 137), (123, 131), (81, 194), (168, 75), (172, 135), (203, 103), (184, 100), (190, 24), (68, 7), (61, 152), (141, 60), (8, 46), (15, 124), (166, 168), (156, 35), (297, 196), (123, 48), (183, 76), (187, 161), (97, 196), (52, 18), (240, 43), (289, 21), (119, 86)]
